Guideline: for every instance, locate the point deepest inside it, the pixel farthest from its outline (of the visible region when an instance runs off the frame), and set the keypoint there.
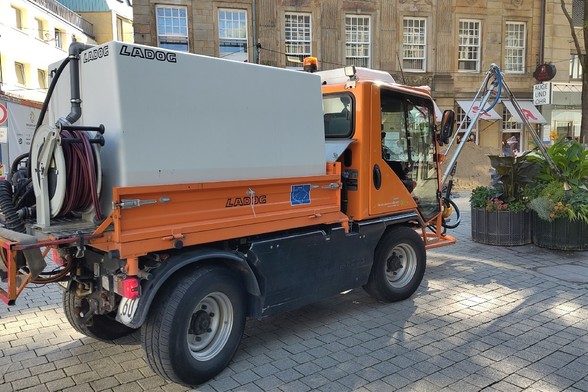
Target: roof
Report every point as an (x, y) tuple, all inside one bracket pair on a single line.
[(90, 5), (335, 76)]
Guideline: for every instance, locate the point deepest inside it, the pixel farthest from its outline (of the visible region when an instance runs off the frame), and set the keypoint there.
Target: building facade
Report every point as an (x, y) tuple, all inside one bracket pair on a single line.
[(445, 44), (112, 19), (33, 35)]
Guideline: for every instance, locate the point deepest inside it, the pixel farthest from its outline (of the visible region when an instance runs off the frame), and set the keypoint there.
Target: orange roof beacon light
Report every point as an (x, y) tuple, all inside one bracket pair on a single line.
[(310, 64)]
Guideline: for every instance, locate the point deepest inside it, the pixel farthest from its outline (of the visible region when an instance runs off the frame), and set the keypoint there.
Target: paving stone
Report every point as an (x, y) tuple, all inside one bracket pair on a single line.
[(484, 318), (60, 384), (269, 383)]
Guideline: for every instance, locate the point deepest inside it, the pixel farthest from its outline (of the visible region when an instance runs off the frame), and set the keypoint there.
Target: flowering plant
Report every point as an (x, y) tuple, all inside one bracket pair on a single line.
[(490, 199), (500, 205)]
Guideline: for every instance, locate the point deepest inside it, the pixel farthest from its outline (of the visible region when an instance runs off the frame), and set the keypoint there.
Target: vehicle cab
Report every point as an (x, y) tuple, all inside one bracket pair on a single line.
[(389, 166)]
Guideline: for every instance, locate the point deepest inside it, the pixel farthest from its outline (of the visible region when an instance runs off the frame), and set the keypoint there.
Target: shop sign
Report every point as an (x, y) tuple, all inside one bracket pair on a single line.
[(542, 94)]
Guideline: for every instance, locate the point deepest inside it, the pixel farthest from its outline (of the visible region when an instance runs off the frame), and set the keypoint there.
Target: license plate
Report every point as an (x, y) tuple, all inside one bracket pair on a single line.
[(126, 310)]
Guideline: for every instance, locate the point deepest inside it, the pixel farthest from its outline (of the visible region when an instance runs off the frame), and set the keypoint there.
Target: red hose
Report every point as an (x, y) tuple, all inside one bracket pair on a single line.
[(80, 171)]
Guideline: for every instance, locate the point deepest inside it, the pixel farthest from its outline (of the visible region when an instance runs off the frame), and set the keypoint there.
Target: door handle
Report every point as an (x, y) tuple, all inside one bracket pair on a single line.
[(377, 174)]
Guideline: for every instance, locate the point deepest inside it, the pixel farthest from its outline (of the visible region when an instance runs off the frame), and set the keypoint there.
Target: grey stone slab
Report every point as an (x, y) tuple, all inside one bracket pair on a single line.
[(485, 317)]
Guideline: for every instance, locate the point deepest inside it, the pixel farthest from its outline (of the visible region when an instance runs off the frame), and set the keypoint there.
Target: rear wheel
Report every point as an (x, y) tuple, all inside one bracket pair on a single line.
[(194, 329), (399, 265), (98, 326)]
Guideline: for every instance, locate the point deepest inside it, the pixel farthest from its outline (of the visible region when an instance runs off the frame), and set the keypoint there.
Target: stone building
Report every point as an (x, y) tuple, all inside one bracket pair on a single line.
[(447, 45)]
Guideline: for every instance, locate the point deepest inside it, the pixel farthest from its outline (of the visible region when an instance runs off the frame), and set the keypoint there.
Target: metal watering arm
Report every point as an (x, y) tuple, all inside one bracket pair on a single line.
[(493, 83)]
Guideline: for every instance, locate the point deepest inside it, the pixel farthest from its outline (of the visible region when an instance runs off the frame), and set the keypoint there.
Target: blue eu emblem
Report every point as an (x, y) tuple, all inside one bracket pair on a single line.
[(300, 194)]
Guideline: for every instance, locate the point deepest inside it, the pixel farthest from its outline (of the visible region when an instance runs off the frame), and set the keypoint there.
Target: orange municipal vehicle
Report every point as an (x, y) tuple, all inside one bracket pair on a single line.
[(182, 194)]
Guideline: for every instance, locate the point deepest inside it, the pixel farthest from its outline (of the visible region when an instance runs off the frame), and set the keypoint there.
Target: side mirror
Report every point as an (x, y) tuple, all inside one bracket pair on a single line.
[(447, 124)]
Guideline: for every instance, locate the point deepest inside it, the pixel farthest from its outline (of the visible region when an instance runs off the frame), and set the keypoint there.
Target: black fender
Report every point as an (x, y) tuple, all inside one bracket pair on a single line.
[(208, 256)]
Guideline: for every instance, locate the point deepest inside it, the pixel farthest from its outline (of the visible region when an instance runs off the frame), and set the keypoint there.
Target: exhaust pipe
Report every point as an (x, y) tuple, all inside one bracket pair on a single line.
[(74, 58)]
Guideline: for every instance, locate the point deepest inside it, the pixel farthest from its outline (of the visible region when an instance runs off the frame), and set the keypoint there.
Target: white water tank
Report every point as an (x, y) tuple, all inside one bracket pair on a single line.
[(173, 117)]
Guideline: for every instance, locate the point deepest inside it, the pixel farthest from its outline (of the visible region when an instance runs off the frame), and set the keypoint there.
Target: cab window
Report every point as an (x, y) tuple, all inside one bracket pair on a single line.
[(338, 115)]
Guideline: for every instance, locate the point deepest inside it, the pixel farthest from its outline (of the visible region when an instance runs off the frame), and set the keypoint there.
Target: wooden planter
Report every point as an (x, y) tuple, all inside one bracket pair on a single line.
[(562, 234), (504, 228)]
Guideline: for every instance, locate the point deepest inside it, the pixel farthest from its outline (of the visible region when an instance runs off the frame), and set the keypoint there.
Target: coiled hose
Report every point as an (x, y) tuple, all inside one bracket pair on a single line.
[(80, 168), (12, 220)]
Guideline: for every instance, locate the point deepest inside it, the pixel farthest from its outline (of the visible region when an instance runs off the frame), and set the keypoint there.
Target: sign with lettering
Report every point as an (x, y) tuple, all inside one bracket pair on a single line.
[(542, 94)]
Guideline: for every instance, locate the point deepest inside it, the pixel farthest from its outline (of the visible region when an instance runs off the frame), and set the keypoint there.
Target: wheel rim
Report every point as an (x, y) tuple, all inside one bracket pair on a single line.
[(210, 326), (401, 265)]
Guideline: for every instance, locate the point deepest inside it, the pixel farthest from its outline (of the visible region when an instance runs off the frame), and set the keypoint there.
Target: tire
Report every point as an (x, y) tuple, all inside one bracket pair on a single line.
[(399, 265), (195, 327), (100, 326)]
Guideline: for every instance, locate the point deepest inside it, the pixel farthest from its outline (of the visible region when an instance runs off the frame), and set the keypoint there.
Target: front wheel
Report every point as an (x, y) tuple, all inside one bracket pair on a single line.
[(399, 265), (194, 329)]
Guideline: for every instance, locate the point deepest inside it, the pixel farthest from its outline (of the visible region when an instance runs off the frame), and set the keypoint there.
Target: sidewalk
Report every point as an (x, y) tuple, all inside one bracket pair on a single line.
[(485, 318)]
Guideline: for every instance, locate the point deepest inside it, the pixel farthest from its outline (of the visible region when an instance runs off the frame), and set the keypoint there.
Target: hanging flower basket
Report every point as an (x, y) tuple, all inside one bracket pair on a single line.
[(561, 233), (506, 228)]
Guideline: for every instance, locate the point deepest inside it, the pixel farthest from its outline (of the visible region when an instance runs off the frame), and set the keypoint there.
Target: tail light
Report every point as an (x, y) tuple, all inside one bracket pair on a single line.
[(129, 287)]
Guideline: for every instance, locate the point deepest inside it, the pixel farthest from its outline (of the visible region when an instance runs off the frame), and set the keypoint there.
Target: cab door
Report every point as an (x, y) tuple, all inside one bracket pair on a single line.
[(404, 175)]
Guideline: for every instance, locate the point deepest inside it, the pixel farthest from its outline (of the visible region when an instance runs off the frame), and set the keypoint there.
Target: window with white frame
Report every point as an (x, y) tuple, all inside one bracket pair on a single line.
[(18, 22), (19, 70), (119, 29), (514, 46), (575, 67), (468, 59), (357, 40), (232, 34), (40, 29), (59, 38), (509, 123), (298, 38), (511, 133), (460, 116), (172, 27), (42, 78), (414, 41)]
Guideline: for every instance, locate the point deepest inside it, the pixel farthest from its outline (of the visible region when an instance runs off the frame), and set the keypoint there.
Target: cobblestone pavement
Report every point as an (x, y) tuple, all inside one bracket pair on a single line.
[(485, 318)]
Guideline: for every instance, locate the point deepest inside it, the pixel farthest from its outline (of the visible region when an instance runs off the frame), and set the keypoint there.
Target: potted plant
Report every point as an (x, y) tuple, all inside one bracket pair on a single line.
[(499, 213), (559, 198)]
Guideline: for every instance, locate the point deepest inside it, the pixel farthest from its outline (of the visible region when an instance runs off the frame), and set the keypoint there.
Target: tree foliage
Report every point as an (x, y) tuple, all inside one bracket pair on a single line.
[(581, 49)]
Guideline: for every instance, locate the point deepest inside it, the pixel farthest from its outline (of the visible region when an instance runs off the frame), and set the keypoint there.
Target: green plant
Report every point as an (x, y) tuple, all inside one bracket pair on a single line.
[(489, 199), (480, 196), (512, 176), (561, 193)]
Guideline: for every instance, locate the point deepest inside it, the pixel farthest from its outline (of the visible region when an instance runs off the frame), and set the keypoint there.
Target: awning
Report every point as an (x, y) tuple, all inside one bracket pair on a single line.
[(529, 111), (487, 115)]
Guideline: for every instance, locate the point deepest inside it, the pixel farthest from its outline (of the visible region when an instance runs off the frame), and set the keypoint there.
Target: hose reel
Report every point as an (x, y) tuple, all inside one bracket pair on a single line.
[(66, 171)]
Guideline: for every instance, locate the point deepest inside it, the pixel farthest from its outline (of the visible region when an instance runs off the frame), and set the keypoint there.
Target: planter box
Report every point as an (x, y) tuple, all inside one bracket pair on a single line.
[(562, 234), (504, 228)]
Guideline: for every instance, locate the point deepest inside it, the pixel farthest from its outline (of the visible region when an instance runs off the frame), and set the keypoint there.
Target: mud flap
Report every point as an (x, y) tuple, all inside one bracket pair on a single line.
[(34, 258)]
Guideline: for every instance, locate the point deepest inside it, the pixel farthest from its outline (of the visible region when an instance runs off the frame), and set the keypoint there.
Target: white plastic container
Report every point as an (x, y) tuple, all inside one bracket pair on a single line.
[(173, 117)]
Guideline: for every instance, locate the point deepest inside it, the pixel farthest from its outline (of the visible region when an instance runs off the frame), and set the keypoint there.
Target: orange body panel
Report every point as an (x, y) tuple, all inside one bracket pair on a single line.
[(367, 202), (215, 211)]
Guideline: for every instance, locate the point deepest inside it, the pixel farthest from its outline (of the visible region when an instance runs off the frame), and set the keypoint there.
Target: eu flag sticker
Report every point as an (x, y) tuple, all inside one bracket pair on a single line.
[(300, 194)]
